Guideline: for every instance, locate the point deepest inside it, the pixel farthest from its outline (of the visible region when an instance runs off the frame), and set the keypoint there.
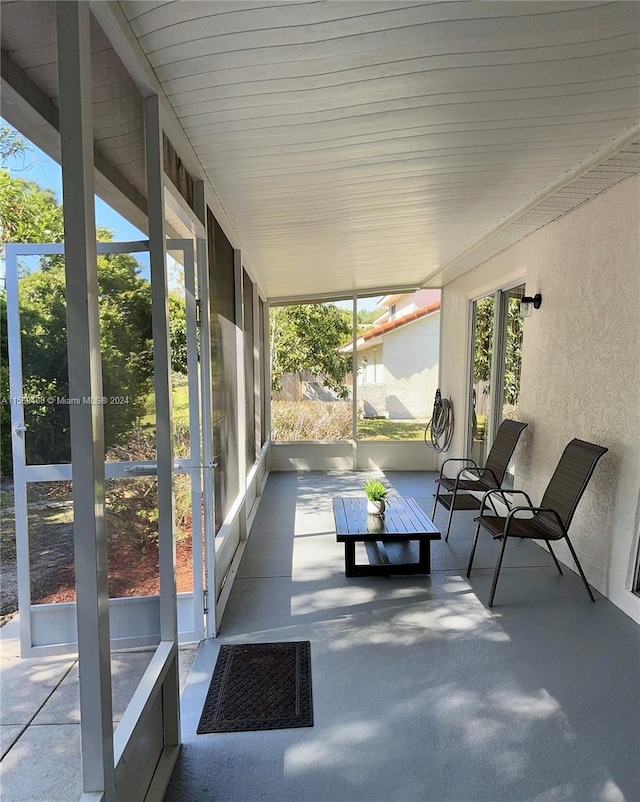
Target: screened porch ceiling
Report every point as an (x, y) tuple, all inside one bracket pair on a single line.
[(357, 146)]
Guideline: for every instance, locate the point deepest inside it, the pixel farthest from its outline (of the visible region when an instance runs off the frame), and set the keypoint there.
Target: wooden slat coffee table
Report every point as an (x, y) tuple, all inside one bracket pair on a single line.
[(402, 523)]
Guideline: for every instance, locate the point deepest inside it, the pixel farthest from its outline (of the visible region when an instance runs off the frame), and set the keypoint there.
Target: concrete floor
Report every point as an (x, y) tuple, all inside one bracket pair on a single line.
[(40, 717), (420, 691)]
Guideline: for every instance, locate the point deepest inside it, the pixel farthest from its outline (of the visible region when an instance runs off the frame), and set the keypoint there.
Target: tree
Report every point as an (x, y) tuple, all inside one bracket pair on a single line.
[(483, 340), (125, 345), (513, 352), (5, 410), (11, 143), (513, 347), (31, 214), (28, 213), (178, 332), (308, 337), (367, 316)]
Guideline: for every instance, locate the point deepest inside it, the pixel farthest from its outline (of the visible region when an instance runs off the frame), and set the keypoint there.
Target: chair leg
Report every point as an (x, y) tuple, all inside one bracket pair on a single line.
[(575, 559), (453, 505), (473, 551), (554, 557), (435, 502), (497, 572)]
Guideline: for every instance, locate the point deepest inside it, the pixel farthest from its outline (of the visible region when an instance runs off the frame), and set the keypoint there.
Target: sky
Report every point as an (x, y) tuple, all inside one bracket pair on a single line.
[(35, 165)]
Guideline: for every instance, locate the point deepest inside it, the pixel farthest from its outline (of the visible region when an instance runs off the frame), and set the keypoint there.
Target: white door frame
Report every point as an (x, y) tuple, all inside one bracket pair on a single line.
[(52, 628)]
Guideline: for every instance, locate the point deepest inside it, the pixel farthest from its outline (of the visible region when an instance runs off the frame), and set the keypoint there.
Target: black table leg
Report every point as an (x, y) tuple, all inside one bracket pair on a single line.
[(424, 560), (349, 558)]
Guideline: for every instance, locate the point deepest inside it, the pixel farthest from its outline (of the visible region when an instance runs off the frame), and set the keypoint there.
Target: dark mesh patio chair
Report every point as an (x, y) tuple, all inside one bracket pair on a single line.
[(551, 520), (478, 480)]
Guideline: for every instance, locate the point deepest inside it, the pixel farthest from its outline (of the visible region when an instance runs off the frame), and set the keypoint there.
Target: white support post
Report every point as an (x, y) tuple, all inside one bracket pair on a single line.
[(256, 375), (267, 372), (164, 429), (354, 374), (241, 383), (85, 383), (206, 384)]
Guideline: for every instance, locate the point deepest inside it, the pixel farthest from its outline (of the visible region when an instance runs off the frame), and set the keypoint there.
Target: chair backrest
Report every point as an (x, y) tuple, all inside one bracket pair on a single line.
[(569, 480), (503, 447)]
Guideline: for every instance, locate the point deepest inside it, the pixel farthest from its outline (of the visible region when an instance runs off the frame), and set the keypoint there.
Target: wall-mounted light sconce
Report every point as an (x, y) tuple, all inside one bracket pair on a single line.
[(528, 303)]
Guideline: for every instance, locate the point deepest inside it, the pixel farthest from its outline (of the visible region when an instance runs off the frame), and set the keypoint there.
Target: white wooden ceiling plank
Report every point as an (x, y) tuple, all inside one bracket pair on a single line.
[(394, 90), (363, 248), (461, 143), (453, 75), (136, 9), (381, 163), (477, 171), (464, 143), (323, 229), (289, 207), (361, 126), (427, 213), (128, 144), (37, 58), (420, 111), (282, 45), (323, 71), (21, 25), (411, 111), (129, 117), (250, 142), (424, 23), (450, 201), (395, 149), (517, 184), (282, 195), (450, 237), (167, 15), (428, 218), (201, 25)]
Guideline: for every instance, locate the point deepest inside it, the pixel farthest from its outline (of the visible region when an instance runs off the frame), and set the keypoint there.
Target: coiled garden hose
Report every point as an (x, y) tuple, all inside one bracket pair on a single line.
[(439, 431)]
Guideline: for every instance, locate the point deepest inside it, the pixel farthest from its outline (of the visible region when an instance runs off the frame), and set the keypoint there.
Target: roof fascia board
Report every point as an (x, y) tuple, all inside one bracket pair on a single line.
[(286, 300), (631, 135)]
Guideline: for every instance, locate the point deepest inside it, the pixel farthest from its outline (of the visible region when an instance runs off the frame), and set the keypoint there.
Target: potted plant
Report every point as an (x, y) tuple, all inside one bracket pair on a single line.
[(376, 492)]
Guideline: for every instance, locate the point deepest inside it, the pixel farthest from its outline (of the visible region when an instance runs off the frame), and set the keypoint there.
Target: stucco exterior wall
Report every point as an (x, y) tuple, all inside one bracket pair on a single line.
[(580, 370)]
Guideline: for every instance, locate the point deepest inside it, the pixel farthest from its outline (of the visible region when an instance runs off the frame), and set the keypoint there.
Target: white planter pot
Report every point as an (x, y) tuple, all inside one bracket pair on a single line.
[(376, 507)]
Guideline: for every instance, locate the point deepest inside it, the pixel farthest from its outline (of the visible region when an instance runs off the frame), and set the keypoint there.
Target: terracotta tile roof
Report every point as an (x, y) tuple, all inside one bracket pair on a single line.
[(384, 328)]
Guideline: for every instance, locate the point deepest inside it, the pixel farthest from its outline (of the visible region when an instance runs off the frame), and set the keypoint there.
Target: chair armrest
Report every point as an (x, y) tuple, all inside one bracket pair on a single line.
[(502, 492), (479, 472), (534, 510), (456, 459)]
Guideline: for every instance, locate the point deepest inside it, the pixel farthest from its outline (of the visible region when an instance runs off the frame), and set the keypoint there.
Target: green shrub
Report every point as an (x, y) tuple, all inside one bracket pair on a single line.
[(132, 504)]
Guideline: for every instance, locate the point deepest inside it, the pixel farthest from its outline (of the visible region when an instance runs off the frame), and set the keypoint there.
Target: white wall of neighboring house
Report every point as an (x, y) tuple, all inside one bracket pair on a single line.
[(398, 376), (407, 303), (578, 379), (411, 368), (371, 366)]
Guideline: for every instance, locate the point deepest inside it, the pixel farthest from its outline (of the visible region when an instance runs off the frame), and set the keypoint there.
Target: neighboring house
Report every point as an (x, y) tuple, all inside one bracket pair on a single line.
[(397, 358)]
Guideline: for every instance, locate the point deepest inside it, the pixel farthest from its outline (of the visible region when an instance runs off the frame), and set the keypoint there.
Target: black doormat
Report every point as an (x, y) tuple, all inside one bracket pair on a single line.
[(259, 686)]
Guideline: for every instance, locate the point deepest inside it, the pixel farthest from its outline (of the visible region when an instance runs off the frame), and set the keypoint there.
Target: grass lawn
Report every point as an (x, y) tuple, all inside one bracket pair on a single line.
[(180, 407), (383, 429)]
